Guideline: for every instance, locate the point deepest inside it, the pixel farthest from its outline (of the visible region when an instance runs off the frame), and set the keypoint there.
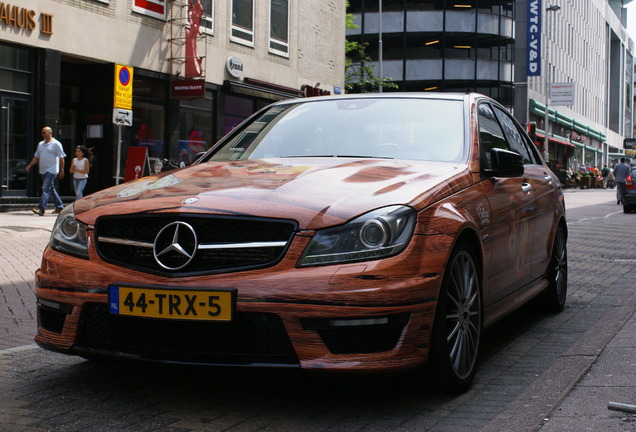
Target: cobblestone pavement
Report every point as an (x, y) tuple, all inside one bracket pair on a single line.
[(539, 370), (23, 237)]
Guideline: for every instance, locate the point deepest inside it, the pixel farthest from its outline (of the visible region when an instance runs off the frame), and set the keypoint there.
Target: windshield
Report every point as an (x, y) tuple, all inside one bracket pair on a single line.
[(400, 128)]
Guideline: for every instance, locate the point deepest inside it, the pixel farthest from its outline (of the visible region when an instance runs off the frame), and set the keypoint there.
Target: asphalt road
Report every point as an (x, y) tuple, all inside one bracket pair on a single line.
[(532, 360)]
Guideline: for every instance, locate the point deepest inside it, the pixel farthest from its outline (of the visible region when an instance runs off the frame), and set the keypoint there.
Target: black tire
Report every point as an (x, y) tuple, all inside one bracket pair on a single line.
[(627, 209), (557, 273), (456, 338)]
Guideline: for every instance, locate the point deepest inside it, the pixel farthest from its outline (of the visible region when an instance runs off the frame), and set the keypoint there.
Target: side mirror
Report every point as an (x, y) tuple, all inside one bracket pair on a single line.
[(505, 164)]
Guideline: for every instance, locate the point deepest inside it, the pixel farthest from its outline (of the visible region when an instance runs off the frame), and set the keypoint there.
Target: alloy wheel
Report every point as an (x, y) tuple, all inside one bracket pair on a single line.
[(463, 314)]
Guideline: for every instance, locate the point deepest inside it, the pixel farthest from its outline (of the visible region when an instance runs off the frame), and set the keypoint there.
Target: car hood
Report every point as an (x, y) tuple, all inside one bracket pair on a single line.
[(316, 192)]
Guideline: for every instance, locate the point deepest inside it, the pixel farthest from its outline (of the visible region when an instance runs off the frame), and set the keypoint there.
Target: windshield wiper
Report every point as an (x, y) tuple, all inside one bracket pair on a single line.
[(365, 157)]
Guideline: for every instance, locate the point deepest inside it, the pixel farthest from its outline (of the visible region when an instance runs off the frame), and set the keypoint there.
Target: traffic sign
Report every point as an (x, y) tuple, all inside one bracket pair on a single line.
[(122, 117), (123, 87)]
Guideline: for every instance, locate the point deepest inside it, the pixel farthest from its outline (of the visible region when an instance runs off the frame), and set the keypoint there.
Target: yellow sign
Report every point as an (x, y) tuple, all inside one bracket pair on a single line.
[(123, 87)]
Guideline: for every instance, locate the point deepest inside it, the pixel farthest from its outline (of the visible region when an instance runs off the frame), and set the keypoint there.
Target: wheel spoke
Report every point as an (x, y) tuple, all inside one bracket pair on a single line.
[(559, 269), (463, 314)]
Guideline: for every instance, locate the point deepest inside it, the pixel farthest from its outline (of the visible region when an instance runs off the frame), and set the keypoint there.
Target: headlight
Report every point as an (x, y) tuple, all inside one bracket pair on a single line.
[(69, 235), (379, 234)]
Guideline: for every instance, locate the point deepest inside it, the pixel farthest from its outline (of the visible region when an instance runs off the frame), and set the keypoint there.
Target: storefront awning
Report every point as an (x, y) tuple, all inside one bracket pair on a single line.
[(262, 89), (557, 140)]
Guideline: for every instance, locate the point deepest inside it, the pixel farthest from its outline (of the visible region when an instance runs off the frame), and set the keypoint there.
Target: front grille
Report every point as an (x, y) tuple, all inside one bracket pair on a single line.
[(222, 243), (251, 338)]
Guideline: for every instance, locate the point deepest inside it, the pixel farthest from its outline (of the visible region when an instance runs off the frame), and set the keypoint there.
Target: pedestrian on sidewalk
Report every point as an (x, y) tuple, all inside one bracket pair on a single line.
[(50, 156), (605, 173), (621, 171), (80, 167)]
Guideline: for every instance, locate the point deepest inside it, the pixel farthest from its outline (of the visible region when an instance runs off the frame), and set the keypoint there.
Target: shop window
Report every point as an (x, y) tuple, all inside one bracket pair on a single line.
[(15, 68), (237, 109), (195, 131), (149, 120), (242, 30), (279, 27), (15, 58)]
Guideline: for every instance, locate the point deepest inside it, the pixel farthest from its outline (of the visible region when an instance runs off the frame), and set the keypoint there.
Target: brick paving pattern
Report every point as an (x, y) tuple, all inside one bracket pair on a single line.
[(531, 360)]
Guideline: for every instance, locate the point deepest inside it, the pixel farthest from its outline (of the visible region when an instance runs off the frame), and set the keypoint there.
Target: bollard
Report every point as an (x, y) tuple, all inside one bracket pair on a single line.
[(617, 406)]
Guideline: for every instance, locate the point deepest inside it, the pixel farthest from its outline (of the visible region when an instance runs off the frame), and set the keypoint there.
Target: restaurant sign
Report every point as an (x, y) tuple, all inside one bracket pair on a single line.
[(187, 88)]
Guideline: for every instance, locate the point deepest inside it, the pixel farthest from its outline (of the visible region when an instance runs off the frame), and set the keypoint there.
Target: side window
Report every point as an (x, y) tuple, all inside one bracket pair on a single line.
[(516, 140), (490, 135)]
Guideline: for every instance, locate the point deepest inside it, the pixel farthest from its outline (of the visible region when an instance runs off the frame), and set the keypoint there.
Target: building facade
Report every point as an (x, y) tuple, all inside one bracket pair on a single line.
[(437, 45), (580, 47), (197, 68), (588, 52)]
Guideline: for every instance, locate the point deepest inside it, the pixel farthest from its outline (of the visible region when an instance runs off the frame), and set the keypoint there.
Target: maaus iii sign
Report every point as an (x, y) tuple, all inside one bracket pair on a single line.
[(22, 18)]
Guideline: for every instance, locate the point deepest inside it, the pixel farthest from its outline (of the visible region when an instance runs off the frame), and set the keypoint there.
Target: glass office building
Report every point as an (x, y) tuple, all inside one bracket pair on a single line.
[(437, 45)]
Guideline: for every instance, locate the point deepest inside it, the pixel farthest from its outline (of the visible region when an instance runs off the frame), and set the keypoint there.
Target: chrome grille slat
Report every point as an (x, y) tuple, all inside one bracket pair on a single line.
[(124, 242), (242, 245)]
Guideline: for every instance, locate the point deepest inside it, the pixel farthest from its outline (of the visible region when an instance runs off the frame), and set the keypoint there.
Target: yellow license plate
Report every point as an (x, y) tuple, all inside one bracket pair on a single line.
[(203, 305)]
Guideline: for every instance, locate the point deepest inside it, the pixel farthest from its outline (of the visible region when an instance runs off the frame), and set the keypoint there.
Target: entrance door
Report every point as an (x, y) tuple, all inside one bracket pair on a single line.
[(14, 133)]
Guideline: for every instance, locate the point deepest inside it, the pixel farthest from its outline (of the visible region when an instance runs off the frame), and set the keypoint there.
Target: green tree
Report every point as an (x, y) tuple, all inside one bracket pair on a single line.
[(360, 76)]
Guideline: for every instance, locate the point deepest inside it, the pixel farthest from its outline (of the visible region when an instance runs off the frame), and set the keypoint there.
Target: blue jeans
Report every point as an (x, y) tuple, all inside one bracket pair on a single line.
[(48, 188), (620, 191), (79, 184)]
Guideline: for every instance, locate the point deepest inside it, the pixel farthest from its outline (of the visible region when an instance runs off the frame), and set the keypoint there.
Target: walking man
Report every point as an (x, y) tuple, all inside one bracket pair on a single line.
[(621, 171), (50, 156)]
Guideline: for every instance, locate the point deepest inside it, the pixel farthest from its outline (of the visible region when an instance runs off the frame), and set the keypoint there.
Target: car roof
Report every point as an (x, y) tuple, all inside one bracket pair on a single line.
[(389, 95)]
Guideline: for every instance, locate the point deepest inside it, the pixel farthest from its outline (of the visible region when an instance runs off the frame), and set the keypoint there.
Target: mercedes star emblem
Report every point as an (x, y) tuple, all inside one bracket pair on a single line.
[(175, 245)]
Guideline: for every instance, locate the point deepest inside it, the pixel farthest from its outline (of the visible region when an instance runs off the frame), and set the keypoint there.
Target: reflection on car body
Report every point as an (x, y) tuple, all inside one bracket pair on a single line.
[(351, 233)]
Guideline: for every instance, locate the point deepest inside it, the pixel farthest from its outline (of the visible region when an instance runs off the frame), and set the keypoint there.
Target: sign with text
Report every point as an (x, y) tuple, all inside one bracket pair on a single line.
[(123, 87), (533, 38), (187, 88), (153, 8), (562, 94)]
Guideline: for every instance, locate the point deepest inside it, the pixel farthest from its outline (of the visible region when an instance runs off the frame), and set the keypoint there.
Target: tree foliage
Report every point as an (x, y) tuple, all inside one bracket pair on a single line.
[(360, 74)]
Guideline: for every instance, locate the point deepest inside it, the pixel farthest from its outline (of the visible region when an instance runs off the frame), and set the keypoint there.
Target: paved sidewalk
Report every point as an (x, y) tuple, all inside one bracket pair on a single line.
[(612, 378), (19, 232), (580, 393)]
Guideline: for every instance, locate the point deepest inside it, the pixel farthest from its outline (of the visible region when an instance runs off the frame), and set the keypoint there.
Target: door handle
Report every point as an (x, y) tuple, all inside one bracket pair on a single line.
[(548, 178), (526, 188)]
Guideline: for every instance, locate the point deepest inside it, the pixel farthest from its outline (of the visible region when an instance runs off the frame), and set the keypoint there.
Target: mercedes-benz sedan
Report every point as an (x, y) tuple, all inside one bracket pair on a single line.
[(352, 233)]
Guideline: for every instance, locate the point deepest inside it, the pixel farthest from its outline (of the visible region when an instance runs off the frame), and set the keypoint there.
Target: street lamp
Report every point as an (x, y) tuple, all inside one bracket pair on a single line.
[(551, 8)]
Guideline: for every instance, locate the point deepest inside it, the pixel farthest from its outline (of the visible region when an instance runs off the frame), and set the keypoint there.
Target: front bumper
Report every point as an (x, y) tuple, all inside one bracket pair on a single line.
[(373, 316)]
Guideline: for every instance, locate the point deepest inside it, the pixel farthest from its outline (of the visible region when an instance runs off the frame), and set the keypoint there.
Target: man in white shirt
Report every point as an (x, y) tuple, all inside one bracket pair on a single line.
[(50, 156)]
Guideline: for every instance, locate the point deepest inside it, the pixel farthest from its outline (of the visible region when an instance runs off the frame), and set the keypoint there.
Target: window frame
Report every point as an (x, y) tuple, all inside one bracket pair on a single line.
[(489, 124), (272, 40), (208, 19), (515, 137), (236, 30)]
